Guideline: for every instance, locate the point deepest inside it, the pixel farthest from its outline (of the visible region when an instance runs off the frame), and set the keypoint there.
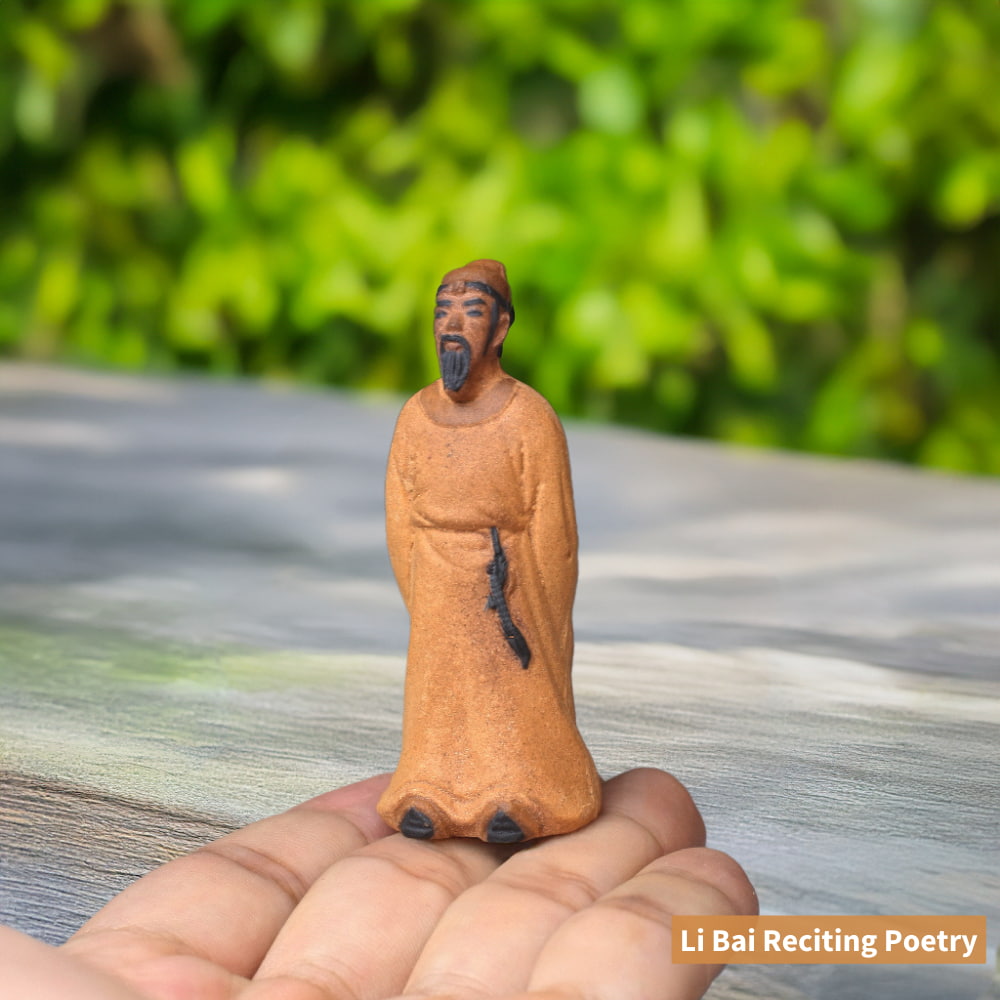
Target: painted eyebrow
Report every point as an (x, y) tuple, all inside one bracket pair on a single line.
[(444, 302), (474, 302)]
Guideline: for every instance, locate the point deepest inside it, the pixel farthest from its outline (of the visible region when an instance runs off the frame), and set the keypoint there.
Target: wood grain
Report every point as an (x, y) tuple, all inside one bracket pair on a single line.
[(199, 626)]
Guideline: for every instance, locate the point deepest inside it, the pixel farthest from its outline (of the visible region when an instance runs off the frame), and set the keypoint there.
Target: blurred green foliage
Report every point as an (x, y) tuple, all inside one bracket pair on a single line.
[(770, 221)]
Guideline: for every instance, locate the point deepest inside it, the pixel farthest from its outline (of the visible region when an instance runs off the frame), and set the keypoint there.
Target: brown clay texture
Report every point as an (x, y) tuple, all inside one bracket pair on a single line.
[(481, 733)]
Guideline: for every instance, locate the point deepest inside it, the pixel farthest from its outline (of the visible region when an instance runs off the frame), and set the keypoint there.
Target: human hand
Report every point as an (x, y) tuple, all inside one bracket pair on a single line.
[(321, 902)]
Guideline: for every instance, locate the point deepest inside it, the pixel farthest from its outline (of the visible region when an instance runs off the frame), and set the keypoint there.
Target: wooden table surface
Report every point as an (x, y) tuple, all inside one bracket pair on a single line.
[(199, 626)]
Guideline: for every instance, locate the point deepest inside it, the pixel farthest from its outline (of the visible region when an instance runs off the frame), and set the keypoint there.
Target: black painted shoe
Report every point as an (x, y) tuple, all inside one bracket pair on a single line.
[(416, 825), (503, 830)]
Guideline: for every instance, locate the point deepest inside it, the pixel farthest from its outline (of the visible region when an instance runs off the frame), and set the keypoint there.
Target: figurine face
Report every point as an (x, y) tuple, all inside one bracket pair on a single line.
[(464, 328)]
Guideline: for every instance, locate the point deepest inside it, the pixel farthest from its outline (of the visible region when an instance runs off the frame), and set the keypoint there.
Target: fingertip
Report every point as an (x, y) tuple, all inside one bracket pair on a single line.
[(718, 870), (357, 801), (661, 801)]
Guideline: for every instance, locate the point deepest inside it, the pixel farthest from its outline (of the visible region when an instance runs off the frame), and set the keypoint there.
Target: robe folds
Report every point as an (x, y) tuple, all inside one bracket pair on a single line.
[(481, 733)]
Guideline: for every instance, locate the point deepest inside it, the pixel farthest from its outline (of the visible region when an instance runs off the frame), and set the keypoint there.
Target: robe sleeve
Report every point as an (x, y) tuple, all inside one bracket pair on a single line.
[(552, 525), (398, 521)]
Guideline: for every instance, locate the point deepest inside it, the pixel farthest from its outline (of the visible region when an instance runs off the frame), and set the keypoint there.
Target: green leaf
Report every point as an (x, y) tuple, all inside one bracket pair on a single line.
[(203, 163), (969, 189), (47, 53), (611, 100), (58, 285), (677, 235)]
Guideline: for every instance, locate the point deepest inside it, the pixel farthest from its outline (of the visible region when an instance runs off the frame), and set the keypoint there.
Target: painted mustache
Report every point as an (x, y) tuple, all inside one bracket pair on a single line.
[(454, 364)]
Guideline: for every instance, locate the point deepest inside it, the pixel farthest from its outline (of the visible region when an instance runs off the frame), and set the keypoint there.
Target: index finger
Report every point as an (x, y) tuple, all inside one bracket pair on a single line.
[(227, 901)]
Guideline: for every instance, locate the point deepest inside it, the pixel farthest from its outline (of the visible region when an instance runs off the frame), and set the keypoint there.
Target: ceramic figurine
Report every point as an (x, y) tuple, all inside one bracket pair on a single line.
[(482, 539)]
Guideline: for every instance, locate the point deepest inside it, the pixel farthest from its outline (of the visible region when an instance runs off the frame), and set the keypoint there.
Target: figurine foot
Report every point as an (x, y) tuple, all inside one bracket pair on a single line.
[(501, 829), (416, 825)]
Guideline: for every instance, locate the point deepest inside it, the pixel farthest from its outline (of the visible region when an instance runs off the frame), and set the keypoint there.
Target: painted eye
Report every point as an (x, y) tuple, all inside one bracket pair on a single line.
[(474, 312), (439, 314)]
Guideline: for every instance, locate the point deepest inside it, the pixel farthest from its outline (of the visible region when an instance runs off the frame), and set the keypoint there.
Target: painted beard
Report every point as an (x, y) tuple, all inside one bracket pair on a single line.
[(454, 364)]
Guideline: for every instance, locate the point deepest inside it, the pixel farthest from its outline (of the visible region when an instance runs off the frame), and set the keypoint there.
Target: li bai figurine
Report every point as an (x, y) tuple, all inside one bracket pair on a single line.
[(482, 538)]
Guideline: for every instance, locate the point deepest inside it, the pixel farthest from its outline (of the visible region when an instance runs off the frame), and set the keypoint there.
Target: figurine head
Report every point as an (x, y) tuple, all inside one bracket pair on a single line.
[(472, 316)]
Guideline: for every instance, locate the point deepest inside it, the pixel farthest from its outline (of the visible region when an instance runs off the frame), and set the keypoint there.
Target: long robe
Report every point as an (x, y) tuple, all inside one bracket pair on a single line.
[(481, 733)]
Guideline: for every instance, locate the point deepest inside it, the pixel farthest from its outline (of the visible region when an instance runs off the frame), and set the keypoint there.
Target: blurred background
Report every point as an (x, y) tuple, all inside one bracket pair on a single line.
[(774, 222)]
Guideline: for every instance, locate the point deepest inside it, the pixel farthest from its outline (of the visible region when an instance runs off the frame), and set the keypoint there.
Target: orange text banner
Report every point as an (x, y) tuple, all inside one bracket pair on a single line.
[(904, 940)]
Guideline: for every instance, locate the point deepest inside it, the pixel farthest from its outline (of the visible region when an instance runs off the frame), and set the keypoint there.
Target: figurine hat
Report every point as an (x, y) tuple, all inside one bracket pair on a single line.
[(487, 272)]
